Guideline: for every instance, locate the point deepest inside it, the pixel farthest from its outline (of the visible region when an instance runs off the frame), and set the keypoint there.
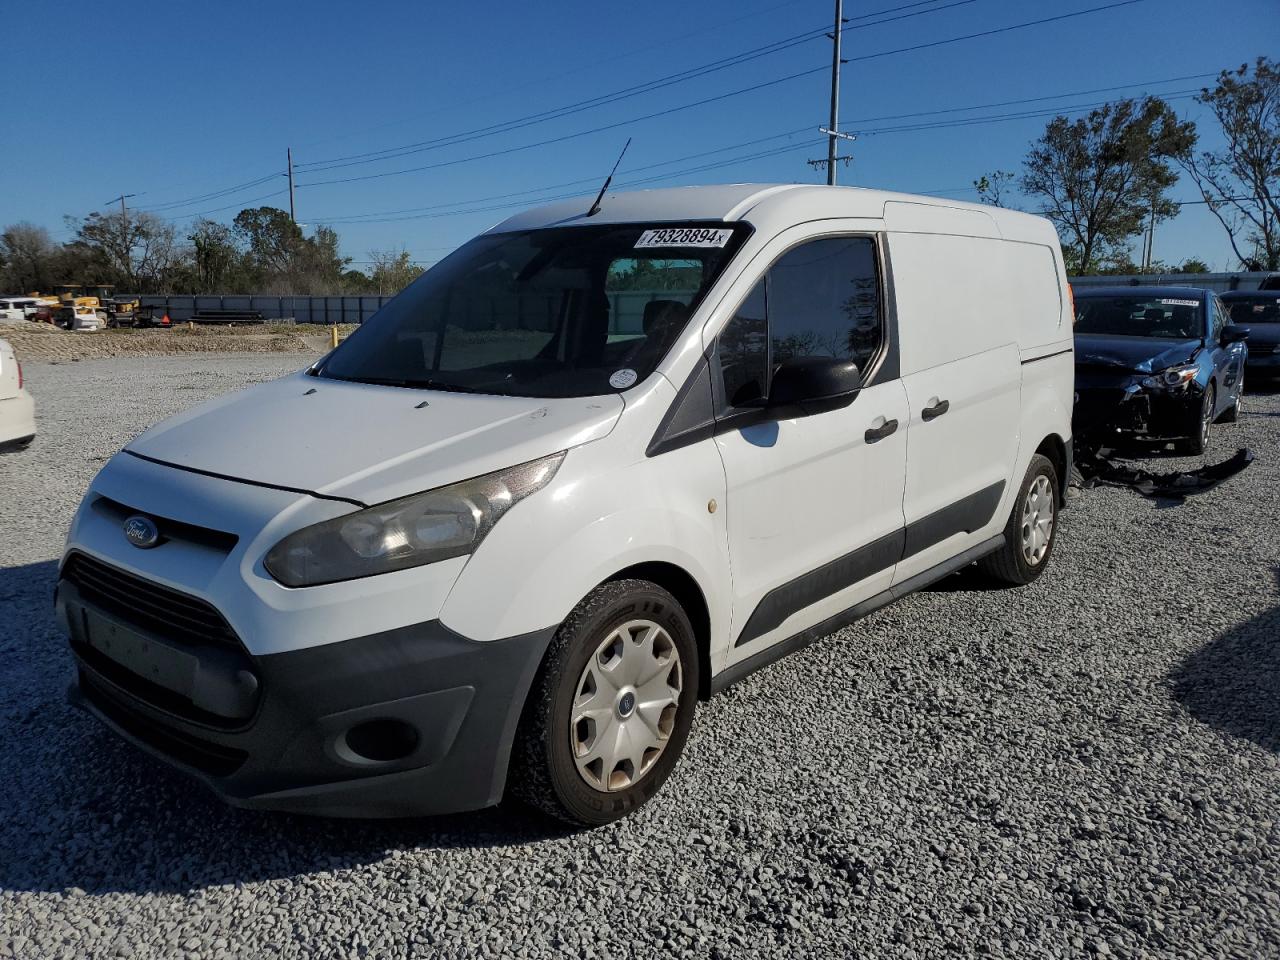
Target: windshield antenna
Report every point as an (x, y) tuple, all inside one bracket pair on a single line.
[(595, 207)]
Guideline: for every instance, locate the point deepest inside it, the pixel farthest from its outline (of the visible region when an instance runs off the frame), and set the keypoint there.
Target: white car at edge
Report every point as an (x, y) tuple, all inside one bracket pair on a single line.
[(17, 408), (598, 464)]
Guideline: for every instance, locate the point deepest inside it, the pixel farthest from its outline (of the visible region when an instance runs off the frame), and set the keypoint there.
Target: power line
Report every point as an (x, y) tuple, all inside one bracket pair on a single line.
[(697, 103), (206, 197), (352, 218), (389, 153), (243, 204)]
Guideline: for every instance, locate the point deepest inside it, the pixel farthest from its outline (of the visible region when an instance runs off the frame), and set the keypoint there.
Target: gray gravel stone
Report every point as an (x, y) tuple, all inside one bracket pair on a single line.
[(1086, 767)]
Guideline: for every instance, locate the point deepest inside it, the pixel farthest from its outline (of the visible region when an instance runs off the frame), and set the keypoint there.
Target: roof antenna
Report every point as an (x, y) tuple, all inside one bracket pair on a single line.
[(595, 207)]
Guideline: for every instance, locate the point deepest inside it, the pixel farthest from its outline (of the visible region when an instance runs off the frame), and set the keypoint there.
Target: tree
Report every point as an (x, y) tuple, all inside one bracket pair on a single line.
[(271, 238), (217, 262), (137, 251), (1241, 182), (392, 270), (994, 187), (283, 260), (1101, 176), (30, 259)]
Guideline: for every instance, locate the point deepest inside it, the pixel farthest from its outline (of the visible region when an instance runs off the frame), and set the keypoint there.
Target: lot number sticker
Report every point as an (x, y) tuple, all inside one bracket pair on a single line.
[(684, 237), (1181, 303)]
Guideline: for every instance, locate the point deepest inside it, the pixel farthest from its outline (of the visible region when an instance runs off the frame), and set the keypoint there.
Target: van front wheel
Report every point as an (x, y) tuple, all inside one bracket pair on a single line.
[(610, 709), (1029, 534)]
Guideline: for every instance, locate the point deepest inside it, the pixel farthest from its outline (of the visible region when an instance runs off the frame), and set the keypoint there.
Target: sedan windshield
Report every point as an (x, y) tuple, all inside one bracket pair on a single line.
[(1260, 308), (1130, 315), (560, 312)]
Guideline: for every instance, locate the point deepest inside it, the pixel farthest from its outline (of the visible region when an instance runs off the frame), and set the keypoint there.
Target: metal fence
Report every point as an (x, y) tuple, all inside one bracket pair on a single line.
[(1219, 282), (325, 310), (626, 308)]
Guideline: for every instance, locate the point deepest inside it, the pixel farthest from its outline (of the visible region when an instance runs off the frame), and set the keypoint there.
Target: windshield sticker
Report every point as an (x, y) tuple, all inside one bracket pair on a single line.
[(684, 237), (621, 379), (1181, 303)]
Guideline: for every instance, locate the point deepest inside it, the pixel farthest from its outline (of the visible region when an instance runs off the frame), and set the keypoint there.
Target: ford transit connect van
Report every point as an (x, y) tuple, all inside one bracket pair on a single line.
[(587, 470)]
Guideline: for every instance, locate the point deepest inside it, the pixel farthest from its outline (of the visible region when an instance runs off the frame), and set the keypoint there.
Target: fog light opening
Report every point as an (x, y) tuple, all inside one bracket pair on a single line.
[(381, 741)]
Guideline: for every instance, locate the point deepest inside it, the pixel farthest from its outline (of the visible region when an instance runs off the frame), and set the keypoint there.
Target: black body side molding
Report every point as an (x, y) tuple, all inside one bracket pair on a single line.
[(743, 668), (964, 516)]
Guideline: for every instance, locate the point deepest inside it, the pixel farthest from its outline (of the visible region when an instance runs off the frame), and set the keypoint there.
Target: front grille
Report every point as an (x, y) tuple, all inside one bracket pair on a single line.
[(178, 530), (148, 605), (204, 755)]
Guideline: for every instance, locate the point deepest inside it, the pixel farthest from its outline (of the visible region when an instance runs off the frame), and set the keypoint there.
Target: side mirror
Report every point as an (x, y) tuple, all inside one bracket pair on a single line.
[(1233, 333), (803, 386)]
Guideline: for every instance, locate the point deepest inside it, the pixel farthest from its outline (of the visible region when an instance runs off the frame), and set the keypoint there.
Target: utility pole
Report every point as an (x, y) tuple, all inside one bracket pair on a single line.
[(834, 136), (1148, 253), (832, 139), (124, 213), (289, 158)]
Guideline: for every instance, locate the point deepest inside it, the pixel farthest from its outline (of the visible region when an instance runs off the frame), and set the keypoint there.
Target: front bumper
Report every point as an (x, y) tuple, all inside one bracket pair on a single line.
[(411, 721), (1125, 408)]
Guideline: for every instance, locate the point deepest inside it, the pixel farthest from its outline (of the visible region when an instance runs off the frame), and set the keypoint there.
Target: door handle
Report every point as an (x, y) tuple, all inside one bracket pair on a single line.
[(937, 410), (879, 433)]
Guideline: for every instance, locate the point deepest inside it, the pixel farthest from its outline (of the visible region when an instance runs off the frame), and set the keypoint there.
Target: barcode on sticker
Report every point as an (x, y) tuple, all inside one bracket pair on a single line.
[(684, 237)]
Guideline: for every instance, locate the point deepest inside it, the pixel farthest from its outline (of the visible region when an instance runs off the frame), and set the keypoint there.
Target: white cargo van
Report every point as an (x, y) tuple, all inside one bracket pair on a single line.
[(584, 472)]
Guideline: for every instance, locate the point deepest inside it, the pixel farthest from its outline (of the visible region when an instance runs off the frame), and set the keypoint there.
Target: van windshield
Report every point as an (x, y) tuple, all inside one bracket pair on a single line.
[(559, 312)]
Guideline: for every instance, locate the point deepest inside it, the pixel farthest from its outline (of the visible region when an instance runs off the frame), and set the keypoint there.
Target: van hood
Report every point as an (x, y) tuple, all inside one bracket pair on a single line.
[(1136, 354), (369, 443)]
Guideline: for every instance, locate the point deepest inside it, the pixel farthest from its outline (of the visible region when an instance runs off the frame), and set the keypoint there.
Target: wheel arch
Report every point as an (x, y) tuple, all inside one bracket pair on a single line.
[(680, 584), (1054, 449)]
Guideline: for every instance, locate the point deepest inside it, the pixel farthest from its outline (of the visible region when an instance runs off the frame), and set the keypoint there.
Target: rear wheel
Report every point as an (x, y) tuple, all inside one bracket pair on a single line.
[(611, 706), (1029, 534), (1232, 413)]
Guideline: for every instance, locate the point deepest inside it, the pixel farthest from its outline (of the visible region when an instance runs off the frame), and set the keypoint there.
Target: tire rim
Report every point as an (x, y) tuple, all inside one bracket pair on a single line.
[(1037, 521), (625, 705)]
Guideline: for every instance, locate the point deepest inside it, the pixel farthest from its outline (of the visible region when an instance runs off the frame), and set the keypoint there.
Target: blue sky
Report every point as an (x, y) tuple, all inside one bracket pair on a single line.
[(174, 101)]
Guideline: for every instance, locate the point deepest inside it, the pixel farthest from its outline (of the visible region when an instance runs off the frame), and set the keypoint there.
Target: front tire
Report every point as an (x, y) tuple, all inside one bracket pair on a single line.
[(1198, 442), (610, 709), (1032, 528)]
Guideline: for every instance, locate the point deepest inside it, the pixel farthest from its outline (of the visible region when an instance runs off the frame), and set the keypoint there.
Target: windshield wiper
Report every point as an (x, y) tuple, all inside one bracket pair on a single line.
[(409, 384)]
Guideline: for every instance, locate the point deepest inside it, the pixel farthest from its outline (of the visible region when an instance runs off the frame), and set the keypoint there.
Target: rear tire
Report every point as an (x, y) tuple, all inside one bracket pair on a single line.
[(591, 709), (1032, 528), (1232, 413)]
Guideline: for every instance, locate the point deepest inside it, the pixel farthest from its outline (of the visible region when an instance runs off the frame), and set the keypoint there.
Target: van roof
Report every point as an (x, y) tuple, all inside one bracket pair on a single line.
[(766, 206)]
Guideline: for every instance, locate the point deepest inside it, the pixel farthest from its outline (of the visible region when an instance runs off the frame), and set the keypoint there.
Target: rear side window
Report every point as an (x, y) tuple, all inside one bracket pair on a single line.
[(821, 299)]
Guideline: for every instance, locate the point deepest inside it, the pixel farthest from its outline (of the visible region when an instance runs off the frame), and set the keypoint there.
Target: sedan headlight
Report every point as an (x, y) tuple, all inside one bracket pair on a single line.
[(410, 532), (1172, 378)]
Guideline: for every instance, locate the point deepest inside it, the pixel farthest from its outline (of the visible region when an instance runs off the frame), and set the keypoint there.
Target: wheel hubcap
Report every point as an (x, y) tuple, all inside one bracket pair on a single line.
[(1037, 520), (625, 705)]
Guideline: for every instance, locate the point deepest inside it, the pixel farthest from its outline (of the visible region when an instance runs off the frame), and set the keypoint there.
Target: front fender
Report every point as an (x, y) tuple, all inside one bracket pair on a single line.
[(596, 519)]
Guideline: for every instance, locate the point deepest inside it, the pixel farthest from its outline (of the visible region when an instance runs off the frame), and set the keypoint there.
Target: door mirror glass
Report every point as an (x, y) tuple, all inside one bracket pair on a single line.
[(803, 386), (1233, 333)]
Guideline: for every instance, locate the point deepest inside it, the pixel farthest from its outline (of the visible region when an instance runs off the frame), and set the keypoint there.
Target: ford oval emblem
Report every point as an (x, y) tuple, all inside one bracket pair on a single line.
[(142, 532)]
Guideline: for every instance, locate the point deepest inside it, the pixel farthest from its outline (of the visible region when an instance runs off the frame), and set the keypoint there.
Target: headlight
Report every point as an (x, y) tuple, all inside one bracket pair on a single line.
[(1173, 377), (424, 528)]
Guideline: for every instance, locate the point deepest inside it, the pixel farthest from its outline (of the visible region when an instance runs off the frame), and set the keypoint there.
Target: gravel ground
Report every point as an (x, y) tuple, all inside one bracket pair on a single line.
[(40, 341), (1089, 766)]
